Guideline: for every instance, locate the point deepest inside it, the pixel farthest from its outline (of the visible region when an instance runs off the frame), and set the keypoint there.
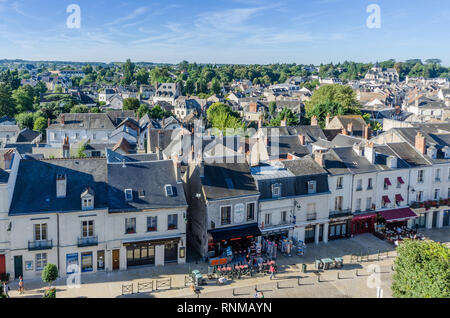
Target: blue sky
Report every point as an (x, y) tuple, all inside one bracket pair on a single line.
[(225, 31)]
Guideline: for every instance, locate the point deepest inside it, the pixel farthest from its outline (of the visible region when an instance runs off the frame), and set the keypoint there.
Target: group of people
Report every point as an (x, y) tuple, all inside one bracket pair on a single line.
[(21, 287), (398, 234)]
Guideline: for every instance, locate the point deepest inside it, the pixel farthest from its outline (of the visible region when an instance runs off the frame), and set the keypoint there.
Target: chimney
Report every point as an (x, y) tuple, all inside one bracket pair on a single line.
[(7, 158), (319, 158), (344, 132), (61, 186), (327, 120), (420, 143), (49, 122), (369, 152), (350, 128), (367, 132), (177, 167), (283, 122), (302, 140), (66, 147), (314, 121), (62, 118), (260, 122), (253, 107)]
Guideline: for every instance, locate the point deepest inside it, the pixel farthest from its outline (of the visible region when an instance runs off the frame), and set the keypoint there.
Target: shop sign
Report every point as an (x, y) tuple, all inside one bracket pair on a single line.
[(239, 215)]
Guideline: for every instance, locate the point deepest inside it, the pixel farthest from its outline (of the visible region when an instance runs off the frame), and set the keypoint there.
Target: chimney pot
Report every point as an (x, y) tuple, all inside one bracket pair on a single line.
[(302, 139), (367, 132), (62, 119), (314, 121), (420, 143), (319, 158)]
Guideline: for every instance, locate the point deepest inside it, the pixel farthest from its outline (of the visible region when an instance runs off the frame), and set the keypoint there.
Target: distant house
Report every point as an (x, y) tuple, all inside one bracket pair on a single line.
[(167, 92)]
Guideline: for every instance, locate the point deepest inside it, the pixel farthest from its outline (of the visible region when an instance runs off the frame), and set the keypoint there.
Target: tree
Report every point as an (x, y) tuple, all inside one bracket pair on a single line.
[(142, 76), (336, 94), (285, 114), (40, 124), (79, 109), (156, 112), (272, 108), (142, 110), (6, 101), (221, 116), (215, 86), (25, 120), (421, 270), (128, 72), (24, 98), (131, 104), (50, 273)]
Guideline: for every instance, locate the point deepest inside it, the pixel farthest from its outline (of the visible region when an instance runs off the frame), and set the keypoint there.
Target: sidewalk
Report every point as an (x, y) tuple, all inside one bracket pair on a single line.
[(109, 284)]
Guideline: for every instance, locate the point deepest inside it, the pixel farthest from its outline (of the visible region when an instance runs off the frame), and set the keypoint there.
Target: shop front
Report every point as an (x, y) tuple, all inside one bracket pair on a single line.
[(339, 228), (277, 234), (393, 219), (145, 252), (232, 241), (363, 223)]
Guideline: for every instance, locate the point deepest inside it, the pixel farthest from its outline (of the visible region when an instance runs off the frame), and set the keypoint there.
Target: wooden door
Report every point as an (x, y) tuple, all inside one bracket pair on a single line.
[(116, 259), (2, 264), (18, 266)]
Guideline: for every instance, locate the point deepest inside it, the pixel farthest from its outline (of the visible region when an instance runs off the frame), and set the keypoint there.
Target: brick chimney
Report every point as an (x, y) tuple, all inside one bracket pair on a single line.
[(420, 143), (253, 107), (302, 140), (367, 132), (7, 158), (344, 132), (49, 122), (319, 158), (327, 120), (314, 121), (66, 147), (62, 119)]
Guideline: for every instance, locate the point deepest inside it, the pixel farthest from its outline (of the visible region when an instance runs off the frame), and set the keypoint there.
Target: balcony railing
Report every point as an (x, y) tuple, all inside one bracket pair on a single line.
[(40, 245), (87, 241), (338, 213)]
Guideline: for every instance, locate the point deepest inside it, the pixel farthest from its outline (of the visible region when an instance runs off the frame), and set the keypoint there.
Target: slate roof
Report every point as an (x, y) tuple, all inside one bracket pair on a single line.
[(345, 141), (287, 144), (227, 180), (27, 135), (311, 133), (35, 189), (84, 121), (148, 178)]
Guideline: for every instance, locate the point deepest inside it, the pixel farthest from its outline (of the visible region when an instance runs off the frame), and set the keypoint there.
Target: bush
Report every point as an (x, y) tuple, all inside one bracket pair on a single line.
[(4, 277), (422, 270)]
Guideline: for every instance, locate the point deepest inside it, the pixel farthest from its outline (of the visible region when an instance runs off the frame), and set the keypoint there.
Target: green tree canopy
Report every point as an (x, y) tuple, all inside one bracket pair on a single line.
[(6, 101), (131, 104), (50, 273), (335, 94), (25, 120), (24, 98), (286, 113), (422, 270), (40, 124), (221, 116)]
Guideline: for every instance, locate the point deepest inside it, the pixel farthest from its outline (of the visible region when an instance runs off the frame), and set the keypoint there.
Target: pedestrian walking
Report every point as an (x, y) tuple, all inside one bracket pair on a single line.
[(5, 289), (272, 271), (21, 286)]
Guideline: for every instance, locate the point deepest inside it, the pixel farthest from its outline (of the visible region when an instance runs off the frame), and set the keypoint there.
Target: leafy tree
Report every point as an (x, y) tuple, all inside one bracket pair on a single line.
[(25, 120), (215, 86), (422, 270), (142, 76), (6, 101), (58, 89), (142, 110), (50, 273), (11, 79), (272, 108), (40, 124), (288, 115), (95, 110), (221, 116), (79, 109), (158, 113), (131, 104), (128, 72), (335, 94), (24, 98)]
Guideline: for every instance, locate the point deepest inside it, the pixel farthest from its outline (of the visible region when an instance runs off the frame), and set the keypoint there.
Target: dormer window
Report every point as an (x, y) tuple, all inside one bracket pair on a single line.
[(141, 194), (128, 195), (276, 190), (312, 186), (87, 199), (169, 190)]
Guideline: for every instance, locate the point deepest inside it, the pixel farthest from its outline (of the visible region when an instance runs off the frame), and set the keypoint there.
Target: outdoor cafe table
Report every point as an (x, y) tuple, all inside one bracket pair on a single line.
[(327, 262)]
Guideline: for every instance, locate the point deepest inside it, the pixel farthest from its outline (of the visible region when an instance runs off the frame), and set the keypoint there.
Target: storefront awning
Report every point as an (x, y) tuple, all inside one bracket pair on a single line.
[(387, 181), (398, 215), (386, 199), (364, 216), (235, 232), (398, 197), (400, 180)]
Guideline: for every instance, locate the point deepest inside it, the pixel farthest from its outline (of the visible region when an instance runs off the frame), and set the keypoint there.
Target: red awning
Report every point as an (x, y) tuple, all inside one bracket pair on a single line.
[(398, 215), (400, 180), (386, 199), (364, 216), (398, 197), (387, 181)]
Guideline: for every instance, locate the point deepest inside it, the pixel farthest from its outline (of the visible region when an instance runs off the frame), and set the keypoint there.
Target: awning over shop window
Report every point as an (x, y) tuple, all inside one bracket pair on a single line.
[(386, 199), (400, 180), (387, 181), (235, 232), (398, 215), (398, 197)]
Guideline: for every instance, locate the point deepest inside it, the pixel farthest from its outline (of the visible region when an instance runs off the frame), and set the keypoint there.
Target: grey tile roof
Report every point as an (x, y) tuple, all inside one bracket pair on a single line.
[(27, 135), (84, 121), (216, 186), (35, 189), (148, 178)]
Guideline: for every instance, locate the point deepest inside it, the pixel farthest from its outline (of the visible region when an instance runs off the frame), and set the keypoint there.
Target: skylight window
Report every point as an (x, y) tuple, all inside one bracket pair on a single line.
[(128, 194), (169, 190)]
